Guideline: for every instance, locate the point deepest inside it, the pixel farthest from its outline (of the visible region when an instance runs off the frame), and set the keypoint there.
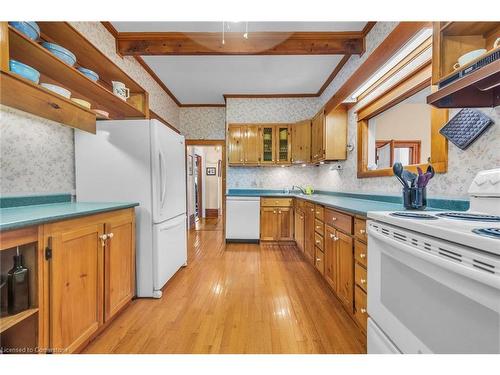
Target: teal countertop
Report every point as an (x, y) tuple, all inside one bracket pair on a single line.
[(18, 216), (356, 203)]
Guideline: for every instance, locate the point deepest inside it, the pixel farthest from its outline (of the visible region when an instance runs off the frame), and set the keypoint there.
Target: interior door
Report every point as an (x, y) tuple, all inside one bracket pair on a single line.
[(169, 250), (169, 173), (75, 279)]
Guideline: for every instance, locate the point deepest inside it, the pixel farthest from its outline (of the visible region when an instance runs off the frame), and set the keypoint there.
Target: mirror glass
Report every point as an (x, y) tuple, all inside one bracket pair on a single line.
[(401, 133)]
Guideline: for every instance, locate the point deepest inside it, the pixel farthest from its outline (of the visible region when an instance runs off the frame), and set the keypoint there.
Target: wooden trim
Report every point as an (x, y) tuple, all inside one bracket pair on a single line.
[(203, 105), (334, 73), (4, 46), (109, 26), (211, 212), (18, 237), (394, 41), (205, 142), (260, 43), (368, 27), (268, 96), (154, 115), (192, 221)]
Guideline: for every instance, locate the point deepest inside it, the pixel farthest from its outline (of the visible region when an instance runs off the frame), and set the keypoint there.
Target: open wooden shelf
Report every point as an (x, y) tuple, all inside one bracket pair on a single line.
[(54, 70), (9, 321), (468, 28), (20, 93)]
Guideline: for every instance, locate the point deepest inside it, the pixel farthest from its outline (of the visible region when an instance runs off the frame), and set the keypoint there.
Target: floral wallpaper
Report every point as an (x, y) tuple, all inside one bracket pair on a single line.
[(38, 154), (203, 122)]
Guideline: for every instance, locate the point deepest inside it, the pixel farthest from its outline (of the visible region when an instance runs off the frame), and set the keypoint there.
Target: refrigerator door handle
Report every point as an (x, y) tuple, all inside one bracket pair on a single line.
[(163, 185)]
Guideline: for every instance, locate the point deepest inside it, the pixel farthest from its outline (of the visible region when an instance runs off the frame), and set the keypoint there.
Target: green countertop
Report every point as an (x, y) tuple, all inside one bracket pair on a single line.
[(355, 203), (34, 214)]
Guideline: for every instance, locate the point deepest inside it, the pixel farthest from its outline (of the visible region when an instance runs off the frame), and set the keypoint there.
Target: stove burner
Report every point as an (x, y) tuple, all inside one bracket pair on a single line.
[(488, 232), (468, 216), (413, 215)]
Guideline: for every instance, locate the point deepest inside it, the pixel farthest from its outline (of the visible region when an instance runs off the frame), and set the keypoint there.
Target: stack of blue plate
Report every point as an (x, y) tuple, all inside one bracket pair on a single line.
[(24, 70), (30, 29), (65, 55), (89, 73)]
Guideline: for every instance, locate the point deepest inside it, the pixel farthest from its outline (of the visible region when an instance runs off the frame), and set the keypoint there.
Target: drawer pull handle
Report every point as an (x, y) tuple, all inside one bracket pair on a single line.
[(317, 212), (274, 212), (312, 209), (362, 255), (318, 241), (317, 227), (362, 231), (335, 238), (318, 260), (363, 310), (111, 235), (103, 237), (363, 281), (334, 219), (279, 212)]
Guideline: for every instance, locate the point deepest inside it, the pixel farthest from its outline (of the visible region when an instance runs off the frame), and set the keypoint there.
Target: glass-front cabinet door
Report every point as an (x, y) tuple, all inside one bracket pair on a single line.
[(283, 144), (268, 144)]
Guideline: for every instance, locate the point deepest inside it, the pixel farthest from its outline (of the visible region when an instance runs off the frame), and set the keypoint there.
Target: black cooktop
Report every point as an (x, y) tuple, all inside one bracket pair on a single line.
[(488, 232), (413, 215), (469, 216)]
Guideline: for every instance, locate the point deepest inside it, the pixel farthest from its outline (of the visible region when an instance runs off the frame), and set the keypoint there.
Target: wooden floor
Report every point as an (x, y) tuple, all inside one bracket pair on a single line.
[(236, 298)]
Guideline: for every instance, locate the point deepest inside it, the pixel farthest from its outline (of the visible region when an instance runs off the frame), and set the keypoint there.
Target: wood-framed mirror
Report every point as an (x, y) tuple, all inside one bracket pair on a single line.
[(399, 126)]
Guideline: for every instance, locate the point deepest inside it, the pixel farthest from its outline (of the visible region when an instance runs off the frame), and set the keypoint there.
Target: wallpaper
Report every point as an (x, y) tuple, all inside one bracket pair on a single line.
[(203, 122), (38, 154)]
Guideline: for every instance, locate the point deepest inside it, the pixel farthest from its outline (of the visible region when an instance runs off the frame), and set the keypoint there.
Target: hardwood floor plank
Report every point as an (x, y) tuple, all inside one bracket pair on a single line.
[(236, 298)]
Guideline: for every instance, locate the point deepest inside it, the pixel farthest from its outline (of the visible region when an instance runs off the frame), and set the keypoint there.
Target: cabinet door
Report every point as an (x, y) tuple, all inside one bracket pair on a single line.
[(331, 257), (309, 231), (268, 223), (251, 145), (119, 263), (268, 144), (283, 144), (301, 142), (299, 229), (345, 256), (235, 144), (285, 224), (75, 284), (317, 137)]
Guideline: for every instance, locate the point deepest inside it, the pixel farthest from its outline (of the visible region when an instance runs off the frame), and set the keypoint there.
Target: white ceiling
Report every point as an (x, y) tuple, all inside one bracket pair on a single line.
[(205, 79)]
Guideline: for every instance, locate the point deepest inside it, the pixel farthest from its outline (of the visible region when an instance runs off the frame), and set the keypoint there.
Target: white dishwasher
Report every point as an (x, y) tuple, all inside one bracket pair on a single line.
[(242, 219)]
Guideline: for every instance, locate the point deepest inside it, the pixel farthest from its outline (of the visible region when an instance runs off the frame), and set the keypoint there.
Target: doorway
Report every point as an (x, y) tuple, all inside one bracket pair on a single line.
[(205, 184)]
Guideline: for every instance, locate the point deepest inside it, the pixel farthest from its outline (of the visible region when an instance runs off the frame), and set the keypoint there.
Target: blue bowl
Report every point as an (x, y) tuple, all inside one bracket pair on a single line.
[(65, 55), (24, 70), (30, 29), (89, 73)]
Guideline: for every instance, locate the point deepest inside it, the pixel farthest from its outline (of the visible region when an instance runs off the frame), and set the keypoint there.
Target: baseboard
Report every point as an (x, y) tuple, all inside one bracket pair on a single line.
[(239, 240), (192, 221), (211, 212)]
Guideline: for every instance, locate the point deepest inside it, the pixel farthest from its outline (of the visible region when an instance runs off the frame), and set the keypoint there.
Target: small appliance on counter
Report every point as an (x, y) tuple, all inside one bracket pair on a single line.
[(18, 286), (414, 186), (434, 277)]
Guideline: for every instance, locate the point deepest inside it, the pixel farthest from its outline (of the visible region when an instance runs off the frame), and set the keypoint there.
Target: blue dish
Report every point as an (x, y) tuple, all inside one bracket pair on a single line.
[(30, 29), (24, 70), (89, 73), (65, 55)]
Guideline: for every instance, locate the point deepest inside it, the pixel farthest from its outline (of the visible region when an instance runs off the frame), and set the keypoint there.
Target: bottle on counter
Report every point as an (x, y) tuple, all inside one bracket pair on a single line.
[(18, 286)]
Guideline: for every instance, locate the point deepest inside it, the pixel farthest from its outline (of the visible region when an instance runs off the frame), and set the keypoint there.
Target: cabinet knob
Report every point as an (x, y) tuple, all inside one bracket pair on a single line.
[(317, 227), (363, 310), (334, 219), (274, 212), (318, 260), (279, 212), (312, 209), (103, 237), (111, 235), (362, 255), (362, 231), (318, 241), (317, 212), (363, 281)]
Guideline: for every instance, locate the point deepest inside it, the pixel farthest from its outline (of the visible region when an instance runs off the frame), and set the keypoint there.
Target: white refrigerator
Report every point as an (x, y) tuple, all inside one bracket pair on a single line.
[(140, 161)]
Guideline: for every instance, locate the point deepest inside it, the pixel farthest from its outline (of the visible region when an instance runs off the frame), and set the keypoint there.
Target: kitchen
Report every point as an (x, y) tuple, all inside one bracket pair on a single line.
[(357, 181)]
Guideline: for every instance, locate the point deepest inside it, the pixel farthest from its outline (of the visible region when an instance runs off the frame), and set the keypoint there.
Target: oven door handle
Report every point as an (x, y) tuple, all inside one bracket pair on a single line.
[(480, 276)]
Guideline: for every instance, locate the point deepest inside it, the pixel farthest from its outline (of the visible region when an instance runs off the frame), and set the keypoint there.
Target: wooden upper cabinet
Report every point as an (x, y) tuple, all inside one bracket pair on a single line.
[(251, 144), (329, 135), (268, 144), (283, 144), (119, 263), (75, 283), (317, 137), (301, 142), (235, 144)]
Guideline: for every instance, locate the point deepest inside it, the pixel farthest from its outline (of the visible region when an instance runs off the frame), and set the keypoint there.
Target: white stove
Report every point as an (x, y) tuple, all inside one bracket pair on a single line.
[(434, 276)]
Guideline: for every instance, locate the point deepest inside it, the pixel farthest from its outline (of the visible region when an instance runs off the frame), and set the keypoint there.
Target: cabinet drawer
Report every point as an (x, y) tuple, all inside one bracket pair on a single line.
[(276, 202), (318, 241), (339, 220), (319, 212), (360, 252), (360, 313), (319, 261), (360, 229), (360, 277), (319, 227)]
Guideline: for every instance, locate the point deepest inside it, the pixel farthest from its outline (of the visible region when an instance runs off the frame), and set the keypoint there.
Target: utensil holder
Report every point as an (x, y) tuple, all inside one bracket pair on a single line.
[(415, 198)]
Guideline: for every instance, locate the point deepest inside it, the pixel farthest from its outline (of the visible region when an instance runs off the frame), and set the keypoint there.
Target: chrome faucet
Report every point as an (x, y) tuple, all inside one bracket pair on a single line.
[(302, 190)]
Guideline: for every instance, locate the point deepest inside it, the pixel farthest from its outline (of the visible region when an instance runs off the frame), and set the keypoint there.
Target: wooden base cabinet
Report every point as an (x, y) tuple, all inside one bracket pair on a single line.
[(345, 264), (276, 222), (309, 232), (90, 267), (299, 229)]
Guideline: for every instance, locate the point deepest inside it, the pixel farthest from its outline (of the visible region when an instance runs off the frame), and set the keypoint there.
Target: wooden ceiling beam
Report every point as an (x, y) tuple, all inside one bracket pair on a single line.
[(258, 43)]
